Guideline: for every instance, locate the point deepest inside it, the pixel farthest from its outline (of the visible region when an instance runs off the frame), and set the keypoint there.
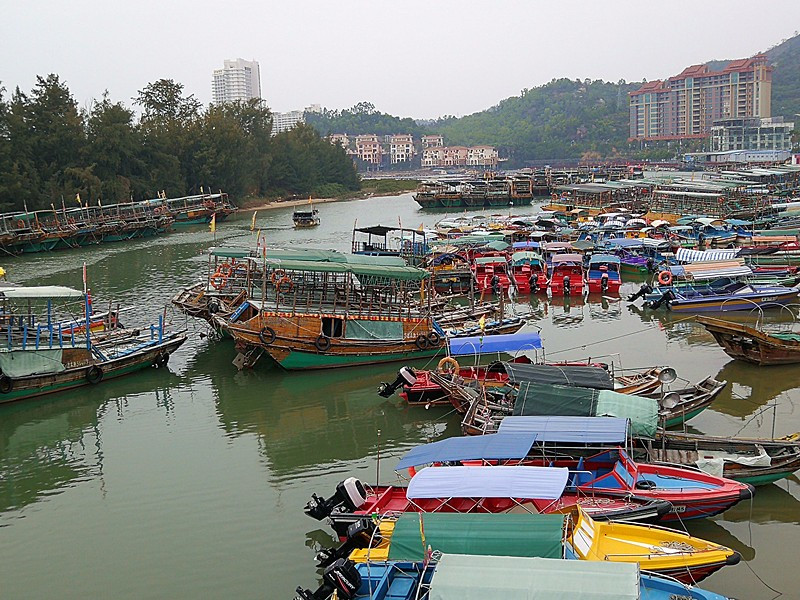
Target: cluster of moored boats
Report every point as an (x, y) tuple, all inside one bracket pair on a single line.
[(63, 228)]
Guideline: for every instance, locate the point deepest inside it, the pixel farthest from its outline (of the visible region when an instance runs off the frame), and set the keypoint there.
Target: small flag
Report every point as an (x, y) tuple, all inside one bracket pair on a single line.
[(258, 239), (253, 222), (213, 224), (78, 199), (482, 322), (309, 199)]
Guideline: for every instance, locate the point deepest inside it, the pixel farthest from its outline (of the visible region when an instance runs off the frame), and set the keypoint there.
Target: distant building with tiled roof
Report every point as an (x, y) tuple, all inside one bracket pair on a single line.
[(686, 105)]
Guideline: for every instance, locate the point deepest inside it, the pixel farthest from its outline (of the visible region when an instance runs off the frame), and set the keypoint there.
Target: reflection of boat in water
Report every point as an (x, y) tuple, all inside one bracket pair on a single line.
[(752, 388), (772, 504), (312, 429), (55, 439)]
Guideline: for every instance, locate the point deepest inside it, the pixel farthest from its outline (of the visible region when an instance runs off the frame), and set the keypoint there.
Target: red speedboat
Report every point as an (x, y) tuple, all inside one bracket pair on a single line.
[(466, 489), (566, 275), (528, 270), (491, 271)]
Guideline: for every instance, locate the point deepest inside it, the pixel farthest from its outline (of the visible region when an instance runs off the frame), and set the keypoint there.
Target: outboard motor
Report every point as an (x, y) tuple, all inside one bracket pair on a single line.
[(665, 298), (567, 285), (341, 577), (405, 376), (651, 265), (359, 535), (350, 494), (604, 282), (644, 290)]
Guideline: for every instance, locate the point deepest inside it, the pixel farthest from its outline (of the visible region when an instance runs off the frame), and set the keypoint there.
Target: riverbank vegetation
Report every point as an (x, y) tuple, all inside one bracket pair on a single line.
[(52, 151)]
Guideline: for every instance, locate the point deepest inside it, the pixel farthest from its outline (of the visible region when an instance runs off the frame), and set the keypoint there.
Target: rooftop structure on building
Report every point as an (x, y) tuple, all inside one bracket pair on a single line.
[(751, 133), (284, 121), (431, 141), (685, 106), (739, 156), (237, 80)]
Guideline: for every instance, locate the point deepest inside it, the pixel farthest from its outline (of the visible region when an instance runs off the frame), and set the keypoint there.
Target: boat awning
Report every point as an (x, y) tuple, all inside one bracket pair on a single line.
[(536, 399), (568, 430), (603, 258), (40, 291), (519, 258), (546, 483), (567, 258), (466, 577), (624, 243), (523, 245), (588, 377), (507, 342), (490, 260), (685, 255), (488, 447), (504, 534), (368, 270), (711, 270)]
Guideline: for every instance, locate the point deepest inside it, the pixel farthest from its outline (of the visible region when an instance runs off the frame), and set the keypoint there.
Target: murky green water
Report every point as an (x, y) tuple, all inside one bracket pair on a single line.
[(190, 482)]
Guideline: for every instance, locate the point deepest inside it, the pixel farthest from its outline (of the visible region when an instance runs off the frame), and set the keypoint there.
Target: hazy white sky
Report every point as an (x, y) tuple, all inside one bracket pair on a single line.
[(408, 57)]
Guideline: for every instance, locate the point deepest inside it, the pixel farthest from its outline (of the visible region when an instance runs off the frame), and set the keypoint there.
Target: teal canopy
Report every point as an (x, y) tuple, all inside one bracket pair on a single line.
[(558, 400), (509, 534), (464, 577)]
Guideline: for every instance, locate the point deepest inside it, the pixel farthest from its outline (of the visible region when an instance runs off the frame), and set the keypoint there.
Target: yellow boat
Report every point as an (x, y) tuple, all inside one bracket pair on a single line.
[(572, 536), (664, 551)]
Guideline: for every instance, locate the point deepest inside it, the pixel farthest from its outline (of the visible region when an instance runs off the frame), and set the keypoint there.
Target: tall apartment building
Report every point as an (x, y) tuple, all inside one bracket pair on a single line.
[(284, 121), (432, 141), (236, 80), (686, 106)]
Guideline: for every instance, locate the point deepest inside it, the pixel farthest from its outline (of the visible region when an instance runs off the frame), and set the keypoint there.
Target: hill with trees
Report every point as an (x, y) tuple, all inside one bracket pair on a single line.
[(562, 119), (51, 151)]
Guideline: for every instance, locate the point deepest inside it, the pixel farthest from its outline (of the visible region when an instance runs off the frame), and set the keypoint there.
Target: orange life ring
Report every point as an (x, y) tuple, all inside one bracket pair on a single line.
[(276, 276), (665, 278), (218, 280), (284, 289), (554, 197), (20, 224), (443, 364)]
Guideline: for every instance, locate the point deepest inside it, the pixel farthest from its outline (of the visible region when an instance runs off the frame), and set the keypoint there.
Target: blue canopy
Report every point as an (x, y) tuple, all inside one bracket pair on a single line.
[(509, 342), (603, 258), (488, 447), (625, 242), (523, 245), (568, 430)]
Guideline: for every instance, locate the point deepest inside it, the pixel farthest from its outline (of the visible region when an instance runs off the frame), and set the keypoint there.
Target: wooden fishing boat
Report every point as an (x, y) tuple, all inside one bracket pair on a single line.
[(672, 409), (751, 461), (315, 315), (753, 345), (305, 218), (46, 350), (457, 576), (478, 490)]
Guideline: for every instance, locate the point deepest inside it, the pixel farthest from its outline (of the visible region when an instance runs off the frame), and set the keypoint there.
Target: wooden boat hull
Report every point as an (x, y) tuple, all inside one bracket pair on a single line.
[(32, 386), (751, 345)]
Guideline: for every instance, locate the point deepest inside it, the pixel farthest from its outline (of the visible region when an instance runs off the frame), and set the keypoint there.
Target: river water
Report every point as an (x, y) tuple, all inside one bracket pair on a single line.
[(190, 481)]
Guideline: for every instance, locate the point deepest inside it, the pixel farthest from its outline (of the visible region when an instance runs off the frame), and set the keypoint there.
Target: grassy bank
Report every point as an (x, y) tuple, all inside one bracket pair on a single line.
[(383, 187)]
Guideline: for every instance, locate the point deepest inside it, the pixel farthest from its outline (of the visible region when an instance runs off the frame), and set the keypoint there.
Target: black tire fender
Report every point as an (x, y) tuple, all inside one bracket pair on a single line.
[(422, 341), (322, 343), (94, 374), (6, 384), (434, 339), (267, 335)]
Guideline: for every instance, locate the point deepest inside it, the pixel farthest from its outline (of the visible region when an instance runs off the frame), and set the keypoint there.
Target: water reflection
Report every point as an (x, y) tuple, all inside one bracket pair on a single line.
[(55, 442), (315, 420), (751, 387), (713, 531)]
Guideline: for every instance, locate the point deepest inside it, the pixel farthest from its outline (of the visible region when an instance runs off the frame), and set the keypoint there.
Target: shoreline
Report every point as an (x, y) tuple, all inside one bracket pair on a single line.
[(270, 204)]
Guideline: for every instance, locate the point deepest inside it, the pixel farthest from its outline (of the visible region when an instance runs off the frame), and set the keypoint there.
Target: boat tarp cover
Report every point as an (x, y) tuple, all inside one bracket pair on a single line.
[(369, 270), (568, 430), (362, 329), (41, 291), (708, 271), (558, 400), (506, 342), (624, 243), (308, 254), (588, 377), (567, 258), (684, 255), (462, 577), (603, 258), (489, 447), (546, 483), (523, 245), (21, 363), (480, 534), (490, 260)]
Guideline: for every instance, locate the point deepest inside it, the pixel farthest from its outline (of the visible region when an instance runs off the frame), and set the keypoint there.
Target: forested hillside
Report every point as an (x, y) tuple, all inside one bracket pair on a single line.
[(558, 120), (50, 150)]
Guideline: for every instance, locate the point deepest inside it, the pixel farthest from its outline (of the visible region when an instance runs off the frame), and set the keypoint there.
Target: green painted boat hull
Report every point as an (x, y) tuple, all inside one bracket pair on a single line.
[(299, 360)]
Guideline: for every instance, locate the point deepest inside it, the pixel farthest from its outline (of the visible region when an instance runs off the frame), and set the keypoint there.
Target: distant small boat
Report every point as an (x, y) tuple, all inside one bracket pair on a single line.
[(306, 218)]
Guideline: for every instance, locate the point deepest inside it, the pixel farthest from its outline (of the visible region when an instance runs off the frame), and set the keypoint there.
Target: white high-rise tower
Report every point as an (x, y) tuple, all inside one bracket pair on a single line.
[(237, 80)]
